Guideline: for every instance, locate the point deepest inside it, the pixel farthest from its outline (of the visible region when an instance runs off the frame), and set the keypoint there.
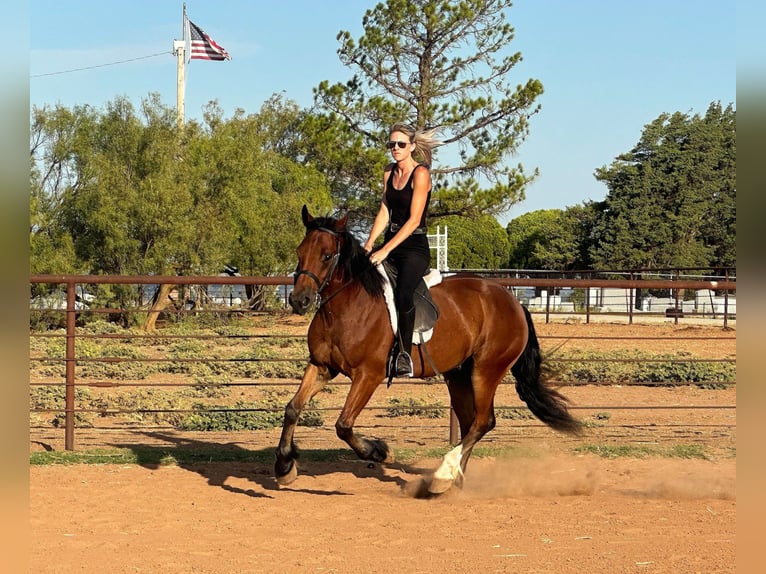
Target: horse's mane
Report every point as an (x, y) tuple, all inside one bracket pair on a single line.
[(353, 262)]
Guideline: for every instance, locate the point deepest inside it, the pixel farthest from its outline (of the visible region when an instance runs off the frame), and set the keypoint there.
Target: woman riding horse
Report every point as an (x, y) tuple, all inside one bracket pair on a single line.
[(482, 333), (402, 215)]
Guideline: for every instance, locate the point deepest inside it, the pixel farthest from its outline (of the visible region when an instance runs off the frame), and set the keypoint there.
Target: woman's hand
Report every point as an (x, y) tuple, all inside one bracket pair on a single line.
[(378, 257)]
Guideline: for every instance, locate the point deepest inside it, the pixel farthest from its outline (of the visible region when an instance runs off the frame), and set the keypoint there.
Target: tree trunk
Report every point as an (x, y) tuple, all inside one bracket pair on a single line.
[(159, 303), (255, 297)]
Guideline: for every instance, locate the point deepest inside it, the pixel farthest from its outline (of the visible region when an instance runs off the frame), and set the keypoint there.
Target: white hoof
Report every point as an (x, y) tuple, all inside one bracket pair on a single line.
[(448, 472), (439, 485)]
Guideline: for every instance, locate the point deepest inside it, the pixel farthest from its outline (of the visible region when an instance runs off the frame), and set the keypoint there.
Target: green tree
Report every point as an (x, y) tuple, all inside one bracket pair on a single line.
[(435, 64), (118, 192), (475, 243), (671, 199), (239, 176), (55, 135), (718, 175), (546, 239), (125, 212), (580, 220)]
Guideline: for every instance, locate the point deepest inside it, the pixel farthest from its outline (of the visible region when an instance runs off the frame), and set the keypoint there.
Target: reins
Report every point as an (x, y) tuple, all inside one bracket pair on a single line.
[(322, 284), (321, 302)]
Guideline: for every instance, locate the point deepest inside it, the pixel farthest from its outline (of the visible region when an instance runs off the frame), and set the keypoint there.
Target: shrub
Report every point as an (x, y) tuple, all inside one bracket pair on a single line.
[(100, 327), (515, 413), (51, 399), (118, 370), (252, 416), (634, 366), (151, 400), (411, 407), (211, 386), (233, 331)]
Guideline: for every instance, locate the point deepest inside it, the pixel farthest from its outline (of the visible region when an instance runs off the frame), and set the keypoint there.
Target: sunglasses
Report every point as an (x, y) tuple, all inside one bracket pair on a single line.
[(392, 145)]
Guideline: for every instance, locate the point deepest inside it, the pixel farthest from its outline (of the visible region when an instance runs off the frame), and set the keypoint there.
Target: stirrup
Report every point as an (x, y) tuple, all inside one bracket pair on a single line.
[(404, 365)]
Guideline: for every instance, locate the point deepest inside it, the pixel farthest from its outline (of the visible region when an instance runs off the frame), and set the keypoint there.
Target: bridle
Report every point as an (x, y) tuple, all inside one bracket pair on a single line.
[(321, 285)]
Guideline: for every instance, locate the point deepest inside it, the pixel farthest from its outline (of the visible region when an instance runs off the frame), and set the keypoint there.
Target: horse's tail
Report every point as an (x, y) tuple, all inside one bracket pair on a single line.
[(546, 404)]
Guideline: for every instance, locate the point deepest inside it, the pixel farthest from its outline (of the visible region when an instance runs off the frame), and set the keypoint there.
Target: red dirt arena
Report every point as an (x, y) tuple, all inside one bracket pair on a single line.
[(541, 508)]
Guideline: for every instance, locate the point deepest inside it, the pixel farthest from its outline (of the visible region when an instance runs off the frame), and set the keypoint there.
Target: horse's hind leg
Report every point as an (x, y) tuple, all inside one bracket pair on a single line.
[(462, 401), (361, 390), (484, 383), (285, 468), (461, 395)]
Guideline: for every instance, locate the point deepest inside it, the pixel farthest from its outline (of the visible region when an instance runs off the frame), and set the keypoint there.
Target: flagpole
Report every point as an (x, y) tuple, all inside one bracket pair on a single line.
[(179, 49)]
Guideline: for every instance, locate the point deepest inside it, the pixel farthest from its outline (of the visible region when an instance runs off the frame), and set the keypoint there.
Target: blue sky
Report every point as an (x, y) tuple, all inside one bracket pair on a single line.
[(608, 67)]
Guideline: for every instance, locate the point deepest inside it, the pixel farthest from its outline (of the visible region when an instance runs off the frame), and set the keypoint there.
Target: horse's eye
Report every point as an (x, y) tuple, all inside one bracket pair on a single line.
[(327, 257)]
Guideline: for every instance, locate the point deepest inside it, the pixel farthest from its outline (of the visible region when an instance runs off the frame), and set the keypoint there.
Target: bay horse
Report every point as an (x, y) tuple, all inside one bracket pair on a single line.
[(482, 332)]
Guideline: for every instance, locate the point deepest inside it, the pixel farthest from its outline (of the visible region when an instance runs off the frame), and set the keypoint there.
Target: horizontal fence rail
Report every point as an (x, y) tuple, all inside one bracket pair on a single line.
[(72, 311)]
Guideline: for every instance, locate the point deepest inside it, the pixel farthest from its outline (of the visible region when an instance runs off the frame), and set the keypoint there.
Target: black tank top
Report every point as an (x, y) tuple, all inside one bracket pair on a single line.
[(398, 200)]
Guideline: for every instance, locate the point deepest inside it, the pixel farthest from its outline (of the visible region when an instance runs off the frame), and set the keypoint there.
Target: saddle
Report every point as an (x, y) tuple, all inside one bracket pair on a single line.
[(426, 311)]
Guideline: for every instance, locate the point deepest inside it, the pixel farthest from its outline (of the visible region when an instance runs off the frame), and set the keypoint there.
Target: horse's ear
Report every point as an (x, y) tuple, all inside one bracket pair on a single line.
[(340, 225), (306, 216)]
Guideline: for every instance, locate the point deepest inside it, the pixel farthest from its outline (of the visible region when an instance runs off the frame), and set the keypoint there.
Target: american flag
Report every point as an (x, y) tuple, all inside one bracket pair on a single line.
[(202, 46)]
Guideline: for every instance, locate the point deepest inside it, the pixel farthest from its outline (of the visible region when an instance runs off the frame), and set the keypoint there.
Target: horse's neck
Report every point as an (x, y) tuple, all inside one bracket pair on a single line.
[(347, 294)]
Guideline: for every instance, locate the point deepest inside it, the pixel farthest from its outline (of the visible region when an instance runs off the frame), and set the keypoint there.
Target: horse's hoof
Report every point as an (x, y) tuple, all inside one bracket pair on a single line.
[(288, 478), (439, 485), (381, 452)]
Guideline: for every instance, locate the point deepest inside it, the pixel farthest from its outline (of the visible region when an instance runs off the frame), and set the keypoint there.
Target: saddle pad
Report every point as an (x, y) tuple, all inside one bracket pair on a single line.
[(434, 277)]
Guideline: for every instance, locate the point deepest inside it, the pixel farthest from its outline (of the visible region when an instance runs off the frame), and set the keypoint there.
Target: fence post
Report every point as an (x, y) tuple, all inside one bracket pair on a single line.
[(726, 303), (70, 364), (677, 291), (547, 305)]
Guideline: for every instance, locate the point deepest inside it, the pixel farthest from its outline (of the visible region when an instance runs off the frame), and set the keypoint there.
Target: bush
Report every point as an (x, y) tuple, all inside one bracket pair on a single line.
[(410, 407), (118, 370), (100, 327), (151, 400), (211, 386), (234, 331), (51, 399), (252, 416), (516, 413), (634, 366)]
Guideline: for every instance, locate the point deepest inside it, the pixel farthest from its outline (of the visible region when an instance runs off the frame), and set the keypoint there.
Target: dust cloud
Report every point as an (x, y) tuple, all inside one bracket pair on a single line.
[(537, 477), (588, 475)]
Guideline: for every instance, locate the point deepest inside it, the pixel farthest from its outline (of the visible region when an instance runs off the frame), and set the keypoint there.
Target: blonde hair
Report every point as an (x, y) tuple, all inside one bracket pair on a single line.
[(425, 140)]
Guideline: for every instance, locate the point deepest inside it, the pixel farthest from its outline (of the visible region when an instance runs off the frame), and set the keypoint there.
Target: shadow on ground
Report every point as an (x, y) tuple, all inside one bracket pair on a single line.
[(219, 462)]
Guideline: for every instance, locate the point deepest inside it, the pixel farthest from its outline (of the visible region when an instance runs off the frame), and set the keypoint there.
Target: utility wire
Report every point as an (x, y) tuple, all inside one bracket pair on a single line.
[(101, 65)]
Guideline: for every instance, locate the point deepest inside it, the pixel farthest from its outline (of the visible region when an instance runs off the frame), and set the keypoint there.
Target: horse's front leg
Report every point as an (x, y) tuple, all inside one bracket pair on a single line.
[(285, 468), (377, 450)]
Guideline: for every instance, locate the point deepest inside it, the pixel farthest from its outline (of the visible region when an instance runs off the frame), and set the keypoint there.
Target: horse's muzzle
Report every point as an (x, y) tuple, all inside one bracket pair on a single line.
[(300, 301)]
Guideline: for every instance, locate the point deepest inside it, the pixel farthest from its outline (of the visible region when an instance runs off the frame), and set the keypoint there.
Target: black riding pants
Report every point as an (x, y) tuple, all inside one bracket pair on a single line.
[(411, 259)]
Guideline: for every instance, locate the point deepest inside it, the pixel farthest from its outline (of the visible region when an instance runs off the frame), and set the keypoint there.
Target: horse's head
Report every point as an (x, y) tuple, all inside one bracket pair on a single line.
[(318, 256)]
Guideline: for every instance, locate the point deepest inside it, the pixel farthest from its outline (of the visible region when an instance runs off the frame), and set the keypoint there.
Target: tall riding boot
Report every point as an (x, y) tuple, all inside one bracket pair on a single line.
[(403, 359)]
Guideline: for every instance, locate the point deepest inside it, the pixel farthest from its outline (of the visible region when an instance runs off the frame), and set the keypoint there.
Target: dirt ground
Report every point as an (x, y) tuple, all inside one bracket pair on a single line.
[(540, 508)]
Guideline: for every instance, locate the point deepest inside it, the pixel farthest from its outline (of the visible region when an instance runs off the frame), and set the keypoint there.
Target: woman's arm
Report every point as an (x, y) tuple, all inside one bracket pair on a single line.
[(381, 219)]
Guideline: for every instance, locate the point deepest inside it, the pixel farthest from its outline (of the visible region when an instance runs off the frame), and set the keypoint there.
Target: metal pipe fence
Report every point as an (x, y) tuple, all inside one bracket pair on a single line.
[(74, 308)]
